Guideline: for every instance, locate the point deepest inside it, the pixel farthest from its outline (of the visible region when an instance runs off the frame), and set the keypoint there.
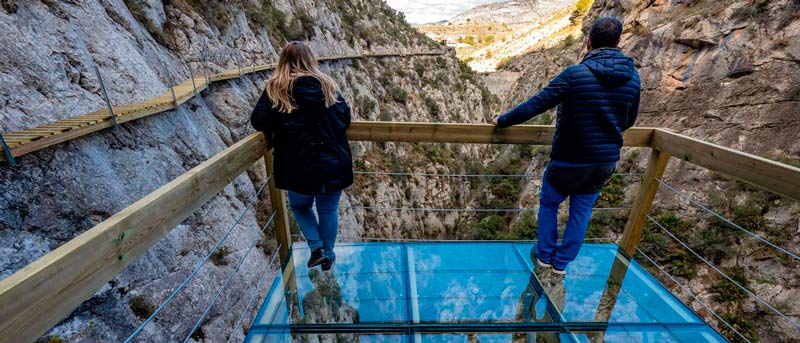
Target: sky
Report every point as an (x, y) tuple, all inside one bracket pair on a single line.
[(429, 11)]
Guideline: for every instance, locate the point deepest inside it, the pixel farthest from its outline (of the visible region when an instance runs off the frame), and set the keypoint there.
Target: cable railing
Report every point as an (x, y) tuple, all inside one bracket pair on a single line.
[(454, 209), (200, 264), (726, 220), (691, 294), (463, 175), (227, 283), (249, 304), (723, 274)]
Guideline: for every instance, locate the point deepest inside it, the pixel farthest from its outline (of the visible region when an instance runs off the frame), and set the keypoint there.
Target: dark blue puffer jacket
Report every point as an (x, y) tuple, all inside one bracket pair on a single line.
[(597, 100)]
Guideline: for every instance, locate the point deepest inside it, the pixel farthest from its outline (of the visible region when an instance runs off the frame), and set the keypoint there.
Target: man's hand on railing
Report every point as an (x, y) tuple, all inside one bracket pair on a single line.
[(494, 120)]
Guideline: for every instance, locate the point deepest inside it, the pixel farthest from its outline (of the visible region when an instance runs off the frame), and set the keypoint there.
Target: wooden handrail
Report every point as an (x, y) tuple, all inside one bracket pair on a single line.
[(773, 176), (40, 295), (471, 133)]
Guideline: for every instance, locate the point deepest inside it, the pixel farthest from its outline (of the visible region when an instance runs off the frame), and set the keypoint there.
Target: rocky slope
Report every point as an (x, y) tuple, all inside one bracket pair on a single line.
[(487, 35), (724, 72), (48, 53)]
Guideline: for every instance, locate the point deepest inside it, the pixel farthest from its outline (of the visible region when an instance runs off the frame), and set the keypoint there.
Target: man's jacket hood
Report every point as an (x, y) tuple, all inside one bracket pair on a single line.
[(610, 66)]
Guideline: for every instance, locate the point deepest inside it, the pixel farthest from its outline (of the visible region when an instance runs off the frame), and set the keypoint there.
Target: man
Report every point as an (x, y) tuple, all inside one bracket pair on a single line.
[(597, 100)]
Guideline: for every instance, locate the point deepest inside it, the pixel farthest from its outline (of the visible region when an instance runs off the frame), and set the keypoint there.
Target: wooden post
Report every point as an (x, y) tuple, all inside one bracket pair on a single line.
[(278, 200), (656, 165)]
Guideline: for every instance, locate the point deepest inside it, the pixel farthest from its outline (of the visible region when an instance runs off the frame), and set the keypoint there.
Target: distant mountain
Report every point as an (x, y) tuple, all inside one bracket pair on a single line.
[(511, 12), (486, 35)]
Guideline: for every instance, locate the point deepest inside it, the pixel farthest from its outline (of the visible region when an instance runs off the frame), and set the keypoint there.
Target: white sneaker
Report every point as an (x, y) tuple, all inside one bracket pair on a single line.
[(542, 264), (560, 272)]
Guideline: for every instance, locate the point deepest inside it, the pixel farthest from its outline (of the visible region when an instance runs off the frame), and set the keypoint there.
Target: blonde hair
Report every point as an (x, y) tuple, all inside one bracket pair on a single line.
[(297, 60)]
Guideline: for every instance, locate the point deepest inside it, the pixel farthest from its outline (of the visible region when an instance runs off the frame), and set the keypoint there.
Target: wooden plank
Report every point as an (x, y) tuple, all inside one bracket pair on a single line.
[(637, 218), (49, 289), (470, 133), (278, 199), (44, 142), (770, 175)]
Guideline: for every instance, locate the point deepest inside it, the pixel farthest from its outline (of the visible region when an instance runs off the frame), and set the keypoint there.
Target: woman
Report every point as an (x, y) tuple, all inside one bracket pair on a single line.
[(305, 118)]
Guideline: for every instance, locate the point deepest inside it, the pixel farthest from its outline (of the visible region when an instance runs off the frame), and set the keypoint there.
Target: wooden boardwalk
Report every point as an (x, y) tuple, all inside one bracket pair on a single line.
[(34, 139)]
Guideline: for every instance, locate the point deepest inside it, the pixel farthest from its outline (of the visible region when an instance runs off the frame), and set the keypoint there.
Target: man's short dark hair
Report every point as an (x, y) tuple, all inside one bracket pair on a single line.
[(605, 32)]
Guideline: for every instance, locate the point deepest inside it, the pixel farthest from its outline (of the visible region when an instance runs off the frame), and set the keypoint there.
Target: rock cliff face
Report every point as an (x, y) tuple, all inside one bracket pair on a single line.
[(49, 51), (724, 72)]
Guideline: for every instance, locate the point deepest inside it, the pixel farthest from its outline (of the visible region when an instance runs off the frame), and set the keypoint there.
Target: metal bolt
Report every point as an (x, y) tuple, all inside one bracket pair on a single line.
[(9, 156), (105, 96)]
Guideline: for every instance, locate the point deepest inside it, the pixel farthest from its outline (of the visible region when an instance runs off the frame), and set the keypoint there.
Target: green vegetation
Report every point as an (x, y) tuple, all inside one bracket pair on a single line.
[(504, 63), (727, 291), (524, 228), (10, 6), (365, 105), (713, 242), (300, 28), (198, 335), (51, 339), (141, 307), (581, 9), (746, 327), (218, 258), (137, 9), (676, 260), (751, 11), (398, 94), (613, 193), (433, 107), (568, 41)]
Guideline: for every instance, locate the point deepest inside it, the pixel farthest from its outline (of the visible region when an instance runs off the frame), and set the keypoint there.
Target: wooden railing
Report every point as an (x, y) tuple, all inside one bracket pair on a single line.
[(19, 143), (40, 295)]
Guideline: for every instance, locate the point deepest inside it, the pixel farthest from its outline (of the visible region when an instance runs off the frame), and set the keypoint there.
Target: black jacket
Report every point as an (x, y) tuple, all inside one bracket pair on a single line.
[(597, 100), (312, 154)]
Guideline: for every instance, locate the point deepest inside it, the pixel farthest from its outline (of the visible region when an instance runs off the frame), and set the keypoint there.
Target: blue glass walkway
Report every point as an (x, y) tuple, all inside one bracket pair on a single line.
[(471, 292)]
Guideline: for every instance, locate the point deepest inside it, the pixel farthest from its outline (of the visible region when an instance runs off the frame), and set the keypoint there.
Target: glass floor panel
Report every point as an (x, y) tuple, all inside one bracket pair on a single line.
[(440, 292)]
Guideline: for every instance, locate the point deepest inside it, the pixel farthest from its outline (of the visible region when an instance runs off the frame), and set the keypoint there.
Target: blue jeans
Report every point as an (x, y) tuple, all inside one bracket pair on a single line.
[(322, 233), (580, 212)]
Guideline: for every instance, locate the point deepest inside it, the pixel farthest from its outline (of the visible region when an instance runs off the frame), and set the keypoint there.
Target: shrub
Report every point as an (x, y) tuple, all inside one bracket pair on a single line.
[(301, 27), (727, 291), (489, 227), (433, 107), (525, 227), (215, 12), (613, 193), (398, 94), (366, 106), (51, 339), (568, 41), (505, 188), (581, 9), (218, 258), (419, 67), (713, 242), (10, 6), (744, 326), (749, 214), (141, 307)]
